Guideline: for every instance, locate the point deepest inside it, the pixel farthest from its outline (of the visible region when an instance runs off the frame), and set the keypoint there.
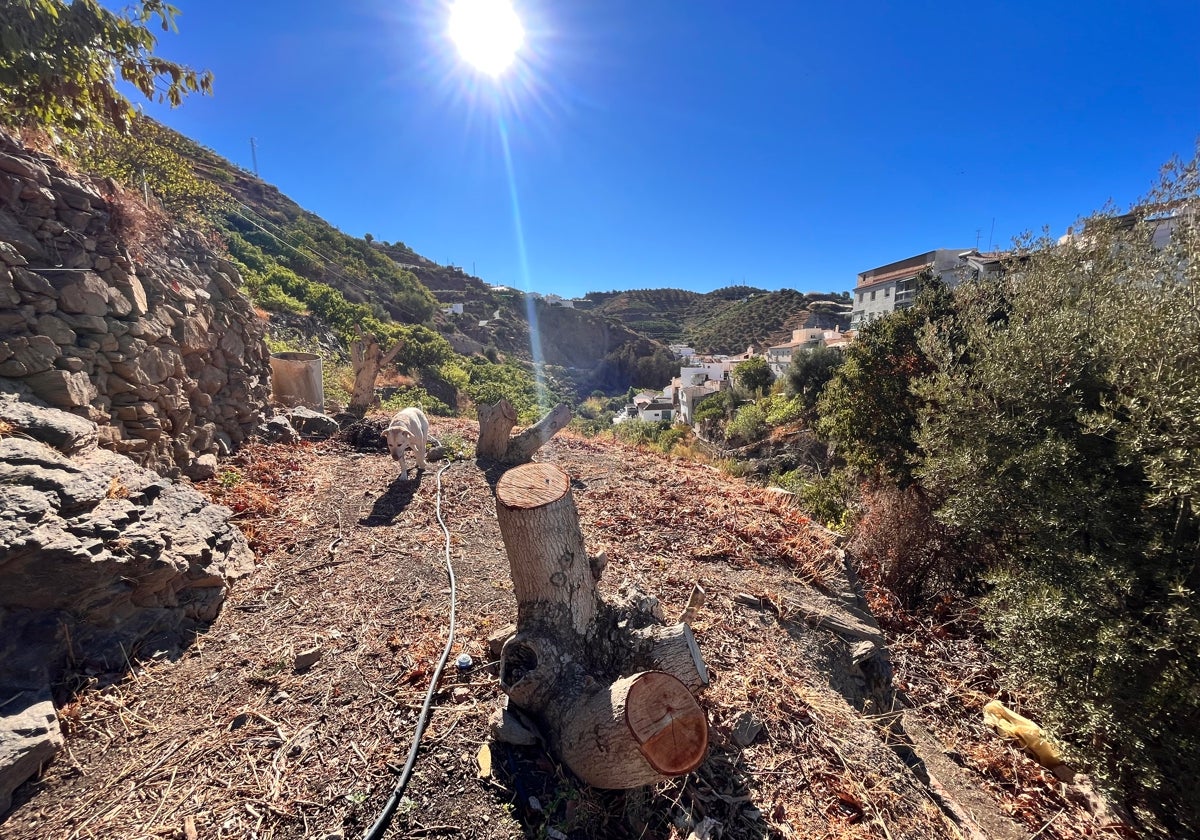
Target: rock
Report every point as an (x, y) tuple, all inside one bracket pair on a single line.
[(10, 256), (24, 242), (313, 424), (87, 294), (746, 728), (203, 468), (497, 639), (508, 726), (101, 552), (308, 658), (277, 430), (29, 737), (28, 354), (61, 388), (25, 168), (65, 432), (57, 331)]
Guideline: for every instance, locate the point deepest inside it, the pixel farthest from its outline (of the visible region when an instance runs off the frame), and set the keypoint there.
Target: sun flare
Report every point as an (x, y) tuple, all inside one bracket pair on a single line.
[(488, 33)]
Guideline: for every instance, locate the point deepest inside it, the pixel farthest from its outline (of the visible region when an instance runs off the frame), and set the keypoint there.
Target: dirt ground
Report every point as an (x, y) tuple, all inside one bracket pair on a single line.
[(233, 741)]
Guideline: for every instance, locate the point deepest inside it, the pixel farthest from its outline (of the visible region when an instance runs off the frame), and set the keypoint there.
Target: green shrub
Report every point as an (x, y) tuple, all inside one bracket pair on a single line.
[(414, 395), (748, 425)]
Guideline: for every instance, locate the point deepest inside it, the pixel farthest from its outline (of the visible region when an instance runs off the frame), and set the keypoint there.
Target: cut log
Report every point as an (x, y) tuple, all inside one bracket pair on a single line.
[(639, 730), (672, 649), (496, 422), (611, 686)]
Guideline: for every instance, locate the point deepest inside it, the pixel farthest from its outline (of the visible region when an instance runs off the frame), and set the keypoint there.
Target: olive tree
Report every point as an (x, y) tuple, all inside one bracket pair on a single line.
[(1057, 428)]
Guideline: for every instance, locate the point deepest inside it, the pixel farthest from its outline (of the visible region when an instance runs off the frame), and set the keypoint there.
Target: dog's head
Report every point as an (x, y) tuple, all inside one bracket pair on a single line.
[(399, 439)]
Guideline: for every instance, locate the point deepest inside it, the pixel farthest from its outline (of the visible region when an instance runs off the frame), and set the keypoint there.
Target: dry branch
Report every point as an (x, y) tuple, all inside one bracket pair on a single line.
[(496, 422)]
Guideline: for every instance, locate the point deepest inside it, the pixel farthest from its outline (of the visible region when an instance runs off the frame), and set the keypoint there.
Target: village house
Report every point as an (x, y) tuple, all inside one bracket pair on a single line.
[(881, 291), (690, 396), (779, 356)]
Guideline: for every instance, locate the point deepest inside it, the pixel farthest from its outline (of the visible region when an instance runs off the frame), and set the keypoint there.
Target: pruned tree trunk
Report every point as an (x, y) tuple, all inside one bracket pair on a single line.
[(496, 422), (613, 692), (368, 359)]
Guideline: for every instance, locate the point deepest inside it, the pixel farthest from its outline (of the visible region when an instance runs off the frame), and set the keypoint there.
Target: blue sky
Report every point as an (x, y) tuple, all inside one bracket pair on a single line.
[(703, 143)]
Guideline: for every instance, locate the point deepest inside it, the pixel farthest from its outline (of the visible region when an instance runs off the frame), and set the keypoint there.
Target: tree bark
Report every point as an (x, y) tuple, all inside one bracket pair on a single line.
[(521, 448), (496, 422), (616, 702), (368, 359)]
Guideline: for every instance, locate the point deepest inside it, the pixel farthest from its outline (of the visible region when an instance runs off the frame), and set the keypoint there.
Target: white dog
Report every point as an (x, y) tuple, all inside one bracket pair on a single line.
[(409, 429)]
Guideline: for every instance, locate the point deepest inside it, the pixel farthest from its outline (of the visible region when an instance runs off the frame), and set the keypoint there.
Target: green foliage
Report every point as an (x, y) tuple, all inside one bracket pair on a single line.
[(868, 409), (414, 395), (826, 498), (274, 299), (490, 382), (754, 375), (809, 373), (57, 62), (160, 158), (711, 407), (1057, 428), (659, 435), (781, 409), (748, 425)]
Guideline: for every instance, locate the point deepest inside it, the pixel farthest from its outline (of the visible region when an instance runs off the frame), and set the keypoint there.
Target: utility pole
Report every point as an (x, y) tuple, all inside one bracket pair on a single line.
[(254, 156)]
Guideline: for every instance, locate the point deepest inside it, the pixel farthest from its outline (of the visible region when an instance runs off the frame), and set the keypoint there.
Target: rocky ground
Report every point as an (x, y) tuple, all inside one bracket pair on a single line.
[(290, 717)]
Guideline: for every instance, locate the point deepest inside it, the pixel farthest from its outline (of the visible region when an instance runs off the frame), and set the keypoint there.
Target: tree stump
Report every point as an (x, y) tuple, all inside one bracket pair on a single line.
[(612, 692), (495, 423), (368, 359)]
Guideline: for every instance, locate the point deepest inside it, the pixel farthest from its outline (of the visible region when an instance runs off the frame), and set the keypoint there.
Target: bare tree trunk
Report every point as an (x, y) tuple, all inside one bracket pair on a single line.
[(616, 703), (368, 359), (496, 422)]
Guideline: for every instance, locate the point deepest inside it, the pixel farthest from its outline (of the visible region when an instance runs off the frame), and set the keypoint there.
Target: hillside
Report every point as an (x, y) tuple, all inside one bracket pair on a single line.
[(727, 320), (231, 740), (296, 264)]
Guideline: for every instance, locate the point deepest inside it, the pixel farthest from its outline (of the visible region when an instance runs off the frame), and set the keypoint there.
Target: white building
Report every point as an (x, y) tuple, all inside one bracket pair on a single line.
[(453, 309), (885, 289), (690, 396)]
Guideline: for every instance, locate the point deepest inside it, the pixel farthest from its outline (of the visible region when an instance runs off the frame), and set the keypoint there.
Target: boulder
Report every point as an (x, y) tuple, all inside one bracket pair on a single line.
[(101, 561), (65, 432), (63, 388), (29, 737), (313, 424), (277, 430)]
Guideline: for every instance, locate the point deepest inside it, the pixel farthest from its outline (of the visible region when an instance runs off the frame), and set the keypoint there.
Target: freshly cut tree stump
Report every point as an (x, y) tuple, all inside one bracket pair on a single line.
[(495, 423), (613, 692)]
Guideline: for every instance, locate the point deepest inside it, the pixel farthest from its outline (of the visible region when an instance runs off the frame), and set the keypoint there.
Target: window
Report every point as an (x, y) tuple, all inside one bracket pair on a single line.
[(860, 297), (872, 295), (887, 292)]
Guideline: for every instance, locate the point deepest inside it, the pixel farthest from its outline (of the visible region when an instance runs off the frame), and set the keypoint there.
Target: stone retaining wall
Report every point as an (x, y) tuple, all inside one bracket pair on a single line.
[(161, 350)]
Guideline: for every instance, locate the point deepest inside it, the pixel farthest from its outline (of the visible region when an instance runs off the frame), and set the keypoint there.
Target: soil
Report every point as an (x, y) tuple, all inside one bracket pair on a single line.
[(233, 740)]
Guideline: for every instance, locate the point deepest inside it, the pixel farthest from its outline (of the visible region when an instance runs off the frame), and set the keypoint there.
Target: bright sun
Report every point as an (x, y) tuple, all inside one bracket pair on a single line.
[(488, 33)]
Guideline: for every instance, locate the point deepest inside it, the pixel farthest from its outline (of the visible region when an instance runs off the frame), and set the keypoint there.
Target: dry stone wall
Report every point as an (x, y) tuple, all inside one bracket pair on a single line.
[(102, 563), (161, 351)]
